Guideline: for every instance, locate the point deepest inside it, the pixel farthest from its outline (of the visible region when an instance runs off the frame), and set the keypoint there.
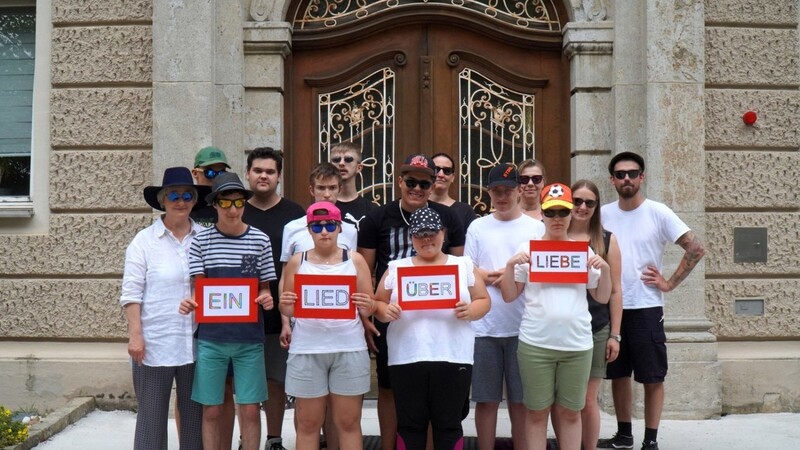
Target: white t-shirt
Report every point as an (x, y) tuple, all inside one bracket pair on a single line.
[(490, 243), (431, 335), (556, 314), (642, 235), (310, 336), (297, 238)]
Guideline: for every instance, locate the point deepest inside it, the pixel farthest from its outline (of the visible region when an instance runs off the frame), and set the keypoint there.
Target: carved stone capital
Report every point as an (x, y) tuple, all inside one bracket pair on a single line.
[(267, 38), (590, 38)]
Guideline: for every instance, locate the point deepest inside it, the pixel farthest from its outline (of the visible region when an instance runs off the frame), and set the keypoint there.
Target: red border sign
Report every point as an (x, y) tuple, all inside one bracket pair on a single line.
[(410, 274), (247, 287), (324, 283), (547, 258)]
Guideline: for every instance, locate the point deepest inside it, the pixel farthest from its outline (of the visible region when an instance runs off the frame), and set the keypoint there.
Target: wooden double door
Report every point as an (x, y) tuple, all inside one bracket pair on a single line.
[(427, 87)]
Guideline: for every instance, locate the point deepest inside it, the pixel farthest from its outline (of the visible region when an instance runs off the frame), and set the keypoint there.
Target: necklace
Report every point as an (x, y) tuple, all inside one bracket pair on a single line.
[(329, 260), (402, 214)]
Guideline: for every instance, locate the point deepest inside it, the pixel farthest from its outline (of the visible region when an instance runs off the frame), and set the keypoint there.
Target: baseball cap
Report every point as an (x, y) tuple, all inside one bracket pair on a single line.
[(425, 219), (227, 181), (418, 163), (503, 174), (320, 211), (210, 155), (556, 194)]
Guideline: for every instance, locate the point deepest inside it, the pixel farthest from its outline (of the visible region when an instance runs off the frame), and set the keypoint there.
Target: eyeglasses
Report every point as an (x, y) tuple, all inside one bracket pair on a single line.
[(330, 227), (445, 170), (174, 196), (423, 184), (211, 173), (224, 203), (577, 201), (425, 234), (338, 159), (556, 212), (620, 174), (525, 179)]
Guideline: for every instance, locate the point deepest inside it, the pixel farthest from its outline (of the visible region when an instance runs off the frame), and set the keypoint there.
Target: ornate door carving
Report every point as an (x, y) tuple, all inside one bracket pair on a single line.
[(428, 77)]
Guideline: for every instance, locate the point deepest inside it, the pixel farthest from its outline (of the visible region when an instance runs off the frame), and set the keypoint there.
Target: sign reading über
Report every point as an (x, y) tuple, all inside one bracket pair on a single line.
[(427, 287), (324, 296), (559, 261), (226, 300)]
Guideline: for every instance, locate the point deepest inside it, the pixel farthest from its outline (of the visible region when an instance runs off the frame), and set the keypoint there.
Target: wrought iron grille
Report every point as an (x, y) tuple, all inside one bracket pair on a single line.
[(526, 14), (364, 113), (497, 125)]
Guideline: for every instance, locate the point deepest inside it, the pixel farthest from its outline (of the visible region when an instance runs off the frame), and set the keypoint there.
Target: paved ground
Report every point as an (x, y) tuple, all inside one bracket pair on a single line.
[(114, 431)]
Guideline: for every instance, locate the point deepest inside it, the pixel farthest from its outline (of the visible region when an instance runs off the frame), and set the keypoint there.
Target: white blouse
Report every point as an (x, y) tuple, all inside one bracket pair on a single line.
[(157, 277)]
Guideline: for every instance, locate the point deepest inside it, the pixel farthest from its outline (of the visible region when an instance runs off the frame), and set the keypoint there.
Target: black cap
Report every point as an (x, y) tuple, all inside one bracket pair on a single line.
[(503, 174), (625, 156)]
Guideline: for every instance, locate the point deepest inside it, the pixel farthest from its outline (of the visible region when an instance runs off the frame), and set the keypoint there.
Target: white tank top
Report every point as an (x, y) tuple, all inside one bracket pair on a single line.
[(328, 335)]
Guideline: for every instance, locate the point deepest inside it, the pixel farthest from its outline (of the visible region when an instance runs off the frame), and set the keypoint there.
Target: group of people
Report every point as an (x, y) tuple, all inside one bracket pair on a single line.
[(544, 347)]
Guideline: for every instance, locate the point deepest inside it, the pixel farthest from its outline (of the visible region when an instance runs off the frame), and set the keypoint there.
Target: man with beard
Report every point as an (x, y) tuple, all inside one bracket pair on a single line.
[(384, 235), (643, 228)]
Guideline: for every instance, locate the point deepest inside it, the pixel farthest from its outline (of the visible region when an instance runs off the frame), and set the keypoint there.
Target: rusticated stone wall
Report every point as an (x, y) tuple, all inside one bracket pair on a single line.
[(66, 283), (751, 171)]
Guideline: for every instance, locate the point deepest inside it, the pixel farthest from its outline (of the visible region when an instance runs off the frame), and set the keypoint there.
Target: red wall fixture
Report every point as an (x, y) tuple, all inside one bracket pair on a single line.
[(749, 118)]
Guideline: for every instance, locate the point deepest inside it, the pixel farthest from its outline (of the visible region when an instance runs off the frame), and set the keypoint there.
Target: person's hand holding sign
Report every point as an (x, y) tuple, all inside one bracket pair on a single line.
[(364, 302), (187, 306), (598, 263), (265, 300), (462, 311)]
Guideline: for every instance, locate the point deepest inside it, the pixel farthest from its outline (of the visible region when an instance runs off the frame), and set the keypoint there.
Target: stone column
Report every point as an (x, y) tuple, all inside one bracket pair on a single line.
[(197, 81), (589, 46), (674, 152), (266, 46)]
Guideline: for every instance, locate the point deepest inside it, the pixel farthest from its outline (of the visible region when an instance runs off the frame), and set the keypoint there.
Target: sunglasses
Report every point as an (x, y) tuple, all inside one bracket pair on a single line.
[(556, 212), (577, 201), (226, 204), (174, 196), (525, 179), (338, 159), (445, 170), (211, 173), (330, 227), (620, 174), (425, 234), (423, 184)]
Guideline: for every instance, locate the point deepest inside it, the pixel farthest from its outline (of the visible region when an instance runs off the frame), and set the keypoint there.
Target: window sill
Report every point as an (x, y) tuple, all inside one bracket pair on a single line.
[(16, 209)]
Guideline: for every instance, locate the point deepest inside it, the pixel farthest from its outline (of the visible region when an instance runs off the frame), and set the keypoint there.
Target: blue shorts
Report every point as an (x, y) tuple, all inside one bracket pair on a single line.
[(211, 369), (643, 350)]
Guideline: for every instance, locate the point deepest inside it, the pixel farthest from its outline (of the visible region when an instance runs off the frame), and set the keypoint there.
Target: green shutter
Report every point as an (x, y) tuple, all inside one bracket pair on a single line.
[(17, 45)]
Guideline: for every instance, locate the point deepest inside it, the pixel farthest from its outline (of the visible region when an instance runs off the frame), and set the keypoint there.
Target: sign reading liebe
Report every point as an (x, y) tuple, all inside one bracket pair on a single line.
[(226, 300), (559, 261), (324, 296), (427, 287)]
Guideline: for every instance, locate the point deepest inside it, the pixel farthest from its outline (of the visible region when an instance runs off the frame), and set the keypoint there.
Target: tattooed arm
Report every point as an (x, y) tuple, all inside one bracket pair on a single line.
[(694, 252)]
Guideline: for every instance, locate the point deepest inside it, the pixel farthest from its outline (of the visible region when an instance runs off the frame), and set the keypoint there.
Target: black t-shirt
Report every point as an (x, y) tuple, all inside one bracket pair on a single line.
[(386, 230), (271, 222), (205, 216), (465, 213), (355, 210)]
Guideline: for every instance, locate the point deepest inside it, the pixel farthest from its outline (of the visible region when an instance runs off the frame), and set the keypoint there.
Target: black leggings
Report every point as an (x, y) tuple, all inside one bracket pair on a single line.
[(430, 392)]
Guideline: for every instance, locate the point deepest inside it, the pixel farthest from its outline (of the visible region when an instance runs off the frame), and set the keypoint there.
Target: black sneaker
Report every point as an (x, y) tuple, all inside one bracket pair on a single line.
[(274, 444), (616, 441), (649, 445)]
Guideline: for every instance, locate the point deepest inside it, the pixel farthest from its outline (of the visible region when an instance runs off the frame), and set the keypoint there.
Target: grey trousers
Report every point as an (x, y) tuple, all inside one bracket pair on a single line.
[(153, 387)]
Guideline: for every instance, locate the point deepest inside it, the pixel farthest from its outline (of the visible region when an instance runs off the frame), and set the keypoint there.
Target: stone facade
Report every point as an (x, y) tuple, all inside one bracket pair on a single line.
[(138, 86)]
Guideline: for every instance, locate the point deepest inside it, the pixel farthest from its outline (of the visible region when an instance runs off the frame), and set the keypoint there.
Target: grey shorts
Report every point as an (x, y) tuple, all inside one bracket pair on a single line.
[(599, 352), (495, 362), (275, 358), (316, 375)]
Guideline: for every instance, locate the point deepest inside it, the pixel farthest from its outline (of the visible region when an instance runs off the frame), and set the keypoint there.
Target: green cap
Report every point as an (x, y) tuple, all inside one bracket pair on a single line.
[(210, 155)]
